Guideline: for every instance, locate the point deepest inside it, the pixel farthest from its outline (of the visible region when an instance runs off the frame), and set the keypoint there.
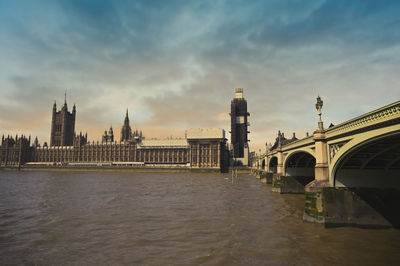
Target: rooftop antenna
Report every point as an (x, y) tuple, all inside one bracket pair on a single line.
[(65, 96)]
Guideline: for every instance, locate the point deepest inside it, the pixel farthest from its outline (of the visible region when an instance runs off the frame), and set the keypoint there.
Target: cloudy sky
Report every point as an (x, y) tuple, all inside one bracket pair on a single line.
[(175, 64)]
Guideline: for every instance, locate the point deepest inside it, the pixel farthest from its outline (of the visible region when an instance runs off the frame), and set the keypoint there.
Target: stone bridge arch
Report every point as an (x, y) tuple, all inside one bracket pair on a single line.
[(370, 159), (300, 162), (273, 164)]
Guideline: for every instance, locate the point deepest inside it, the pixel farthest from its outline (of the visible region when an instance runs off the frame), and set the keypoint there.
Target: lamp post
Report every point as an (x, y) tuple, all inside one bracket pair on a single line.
[(318, 106), (321, 154), (314, 190)]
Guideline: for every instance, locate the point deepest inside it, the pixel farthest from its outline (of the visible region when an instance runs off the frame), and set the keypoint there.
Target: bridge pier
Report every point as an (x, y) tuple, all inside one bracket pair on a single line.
[(314, 206), (362, 207), (266, 178), (263, 177), (290, 184)]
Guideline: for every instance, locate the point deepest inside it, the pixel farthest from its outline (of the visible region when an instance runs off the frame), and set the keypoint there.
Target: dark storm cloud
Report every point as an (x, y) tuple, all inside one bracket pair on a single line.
[(176, 63), (356, 23)]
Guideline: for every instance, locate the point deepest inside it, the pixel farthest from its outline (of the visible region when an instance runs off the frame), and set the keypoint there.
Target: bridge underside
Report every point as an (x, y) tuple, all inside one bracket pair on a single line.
[(375, 164), (273, 164), (300, 164)]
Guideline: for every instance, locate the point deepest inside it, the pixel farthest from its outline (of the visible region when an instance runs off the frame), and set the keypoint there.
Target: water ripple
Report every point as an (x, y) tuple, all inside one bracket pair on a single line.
[(169, 219)]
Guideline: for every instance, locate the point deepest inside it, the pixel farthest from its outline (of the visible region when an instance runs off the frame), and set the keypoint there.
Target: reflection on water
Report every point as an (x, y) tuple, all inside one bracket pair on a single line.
[(166, 218)]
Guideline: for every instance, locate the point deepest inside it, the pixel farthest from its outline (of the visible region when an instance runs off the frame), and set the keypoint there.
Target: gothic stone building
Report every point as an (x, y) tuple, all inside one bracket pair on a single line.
[(62, 126), (201, 148)]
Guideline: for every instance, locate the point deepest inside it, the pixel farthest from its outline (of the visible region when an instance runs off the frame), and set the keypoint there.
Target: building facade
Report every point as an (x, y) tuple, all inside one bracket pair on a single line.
[(193, 152), (108, 137), (201, 148), (127, 134), (62, 126)]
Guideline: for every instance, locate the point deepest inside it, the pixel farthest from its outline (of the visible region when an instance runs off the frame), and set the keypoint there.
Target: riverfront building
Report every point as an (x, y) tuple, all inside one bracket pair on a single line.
[(201, 148), (62, 126)]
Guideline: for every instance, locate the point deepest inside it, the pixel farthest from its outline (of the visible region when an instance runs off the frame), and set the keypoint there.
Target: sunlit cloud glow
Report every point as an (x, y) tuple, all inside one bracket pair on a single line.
[(175, 64)]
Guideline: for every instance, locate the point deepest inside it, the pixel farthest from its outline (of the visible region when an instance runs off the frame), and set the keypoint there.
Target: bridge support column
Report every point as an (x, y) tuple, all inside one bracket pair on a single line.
[(321, 158), (314, 210), (279, 168), (266, 163)]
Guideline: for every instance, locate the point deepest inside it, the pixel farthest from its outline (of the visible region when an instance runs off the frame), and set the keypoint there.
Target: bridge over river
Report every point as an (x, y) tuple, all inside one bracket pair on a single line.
[(350, 172)]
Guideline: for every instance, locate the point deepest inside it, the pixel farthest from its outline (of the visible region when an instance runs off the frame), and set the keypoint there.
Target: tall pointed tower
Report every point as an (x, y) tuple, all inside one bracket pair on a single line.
[(126, 131), (62, 125), (239, 126)]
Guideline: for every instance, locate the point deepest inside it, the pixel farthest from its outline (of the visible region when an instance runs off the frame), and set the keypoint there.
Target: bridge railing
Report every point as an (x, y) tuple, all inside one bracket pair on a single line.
[(299, 143), (295, 144), (383, 114)]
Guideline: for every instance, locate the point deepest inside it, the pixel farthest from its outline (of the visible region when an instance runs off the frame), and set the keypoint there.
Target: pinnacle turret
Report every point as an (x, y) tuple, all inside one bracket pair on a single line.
[(126, 122)]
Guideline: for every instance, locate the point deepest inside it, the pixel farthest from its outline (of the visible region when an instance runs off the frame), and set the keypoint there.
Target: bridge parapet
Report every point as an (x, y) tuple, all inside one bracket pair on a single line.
[(381, 115), (348, 134), (307, 141), (299, 143)]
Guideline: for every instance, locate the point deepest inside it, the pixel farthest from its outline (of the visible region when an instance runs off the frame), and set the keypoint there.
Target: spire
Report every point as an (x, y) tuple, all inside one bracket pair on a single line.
[(126, 131), (36, 142), (65, 107), (126, 122)]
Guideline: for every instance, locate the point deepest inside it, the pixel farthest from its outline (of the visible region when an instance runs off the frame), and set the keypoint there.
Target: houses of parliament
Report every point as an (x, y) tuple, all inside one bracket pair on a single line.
[(201, 148)]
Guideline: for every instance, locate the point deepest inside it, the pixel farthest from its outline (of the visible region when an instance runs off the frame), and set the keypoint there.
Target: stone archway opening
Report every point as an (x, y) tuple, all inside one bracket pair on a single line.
[(375, 164), (273, 165), (263, 164), (369, 180), (301, 166)]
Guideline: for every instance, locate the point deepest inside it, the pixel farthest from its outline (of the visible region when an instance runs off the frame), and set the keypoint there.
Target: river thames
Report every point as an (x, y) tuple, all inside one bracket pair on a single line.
[(88, 218)]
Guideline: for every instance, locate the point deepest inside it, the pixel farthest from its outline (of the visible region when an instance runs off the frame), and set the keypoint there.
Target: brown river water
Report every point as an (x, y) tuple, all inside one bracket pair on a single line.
[(100, 218)]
